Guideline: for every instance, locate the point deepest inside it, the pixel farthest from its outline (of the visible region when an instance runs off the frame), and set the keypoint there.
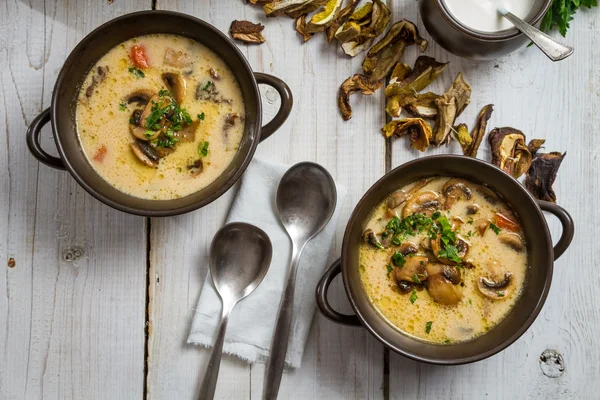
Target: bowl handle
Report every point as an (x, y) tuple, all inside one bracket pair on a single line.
[(287, 100), (568, 226), (323, 303), (33, 141)]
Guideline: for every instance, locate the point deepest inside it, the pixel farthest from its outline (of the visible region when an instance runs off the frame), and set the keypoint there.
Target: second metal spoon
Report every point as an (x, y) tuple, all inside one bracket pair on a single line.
[(240, 255), (553, 49), (306, 200)]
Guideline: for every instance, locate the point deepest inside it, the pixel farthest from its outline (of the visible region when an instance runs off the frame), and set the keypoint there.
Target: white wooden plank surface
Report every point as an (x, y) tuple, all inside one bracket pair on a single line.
[(72, 308), (75, 328), (557, 102), (314, 131)]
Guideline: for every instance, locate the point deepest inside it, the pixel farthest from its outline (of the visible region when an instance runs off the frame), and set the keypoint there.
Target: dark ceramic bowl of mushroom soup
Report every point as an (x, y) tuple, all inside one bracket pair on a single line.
[(156, 113), (446, 260)]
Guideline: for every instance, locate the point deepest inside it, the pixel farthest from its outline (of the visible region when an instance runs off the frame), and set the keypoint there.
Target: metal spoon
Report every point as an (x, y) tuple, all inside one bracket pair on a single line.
[(555, 50), (240, 255), (306, 199)]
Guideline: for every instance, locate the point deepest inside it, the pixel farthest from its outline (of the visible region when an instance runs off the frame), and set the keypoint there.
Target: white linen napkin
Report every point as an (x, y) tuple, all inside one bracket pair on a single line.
[(252, 321)]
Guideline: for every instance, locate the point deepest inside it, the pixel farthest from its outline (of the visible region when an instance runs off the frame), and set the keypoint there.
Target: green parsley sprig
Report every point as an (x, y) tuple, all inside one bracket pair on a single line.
[(561, 14)]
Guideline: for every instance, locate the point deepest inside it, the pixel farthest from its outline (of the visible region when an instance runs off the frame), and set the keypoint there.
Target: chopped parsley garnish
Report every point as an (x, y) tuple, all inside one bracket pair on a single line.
[(389, 269), (203, 149), (207, 86), (163, 93), (416, 279), (201, 116), (450, 252), (166, 114), (470, 221), (500, 294), (137, 72), (436, 215), (123, 106), (149, 133), (413, 297), (398, 259), (428, 327), (470, 302), (447, 341), (396, 240), (469, 234), (495, 228)]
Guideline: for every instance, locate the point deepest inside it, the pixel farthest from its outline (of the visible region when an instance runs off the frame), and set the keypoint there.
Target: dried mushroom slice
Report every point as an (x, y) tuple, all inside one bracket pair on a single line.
[(418, 104), (535, 145), (478, 131), (261, 1), (382, 57), (364, 25), (400, 72), (341, 17), (450, 105), (292, 8), (354, 84), (542, 174), (247, 32), (302, 28), (509, 151), (424, 72), (418, 130), (462, 136)]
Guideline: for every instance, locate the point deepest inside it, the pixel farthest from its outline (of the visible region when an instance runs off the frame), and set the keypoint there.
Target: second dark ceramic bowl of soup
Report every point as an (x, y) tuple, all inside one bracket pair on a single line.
[(541, 257), (62, 111)]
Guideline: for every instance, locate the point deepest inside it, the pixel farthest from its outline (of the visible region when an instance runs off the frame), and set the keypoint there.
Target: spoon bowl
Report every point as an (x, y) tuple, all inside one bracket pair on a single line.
[(306, 199), (240, 255)]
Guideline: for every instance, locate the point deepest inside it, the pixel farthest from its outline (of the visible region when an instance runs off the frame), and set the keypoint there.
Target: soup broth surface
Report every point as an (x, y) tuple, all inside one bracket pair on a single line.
[(212, 100), (430, 306)]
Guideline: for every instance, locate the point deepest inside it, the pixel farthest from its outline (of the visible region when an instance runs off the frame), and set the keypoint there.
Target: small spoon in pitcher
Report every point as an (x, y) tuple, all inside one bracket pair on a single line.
[(240, 255), (306, 200), (553, 49)]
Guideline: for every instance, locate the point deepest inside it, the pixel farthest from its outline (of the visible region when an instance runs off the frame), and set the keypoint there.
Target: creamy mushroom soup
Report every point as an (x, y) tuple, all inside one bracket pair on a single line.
[(160, 116), (443, 259)]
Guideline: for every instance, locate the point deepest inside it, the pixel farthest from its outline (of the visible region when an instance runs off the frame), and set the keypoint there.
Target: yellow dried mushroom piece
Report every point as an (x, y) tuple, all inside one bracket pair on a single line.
[(362, 26), (382, 57), (292, 8), (425, 71), (341, 17), (449, 106), (418, 129), (509, 151), (478, 131), (351, 85)]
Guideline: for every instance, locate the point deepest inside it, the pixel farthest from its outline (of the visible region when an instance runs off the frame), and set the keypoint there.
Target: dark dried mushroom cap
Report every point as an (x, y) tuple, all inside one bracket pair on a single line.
[(478, 132), (354, 84), (456, 189), (247, 32), (382, 57), (450, 105), (145, 153), (423, 203), (542, 174), (509, 151), (405, 287), (473, 209), (418, 130), (535, 145), (414, 270), (176, 85), (424, 72)]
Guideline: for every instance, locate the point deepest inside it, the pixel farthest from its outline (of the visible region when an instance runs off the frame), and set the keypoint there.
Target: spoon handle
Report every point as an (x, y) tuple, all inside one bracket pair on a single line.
[(550, 47), (209, 382), (279, 343)]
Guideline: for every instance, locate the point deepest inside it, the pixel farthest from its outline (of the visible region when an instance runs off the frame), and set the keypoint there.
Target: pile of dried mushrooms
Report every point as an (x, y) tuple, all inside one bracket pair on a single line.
[(355, 29)]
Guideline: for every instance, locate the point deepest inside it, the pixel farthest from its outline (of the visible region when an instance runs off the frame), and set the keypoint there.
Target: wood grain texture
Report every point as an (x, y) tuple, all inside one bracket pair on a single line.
[(314, 131), (553, 101), (72, 307)]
